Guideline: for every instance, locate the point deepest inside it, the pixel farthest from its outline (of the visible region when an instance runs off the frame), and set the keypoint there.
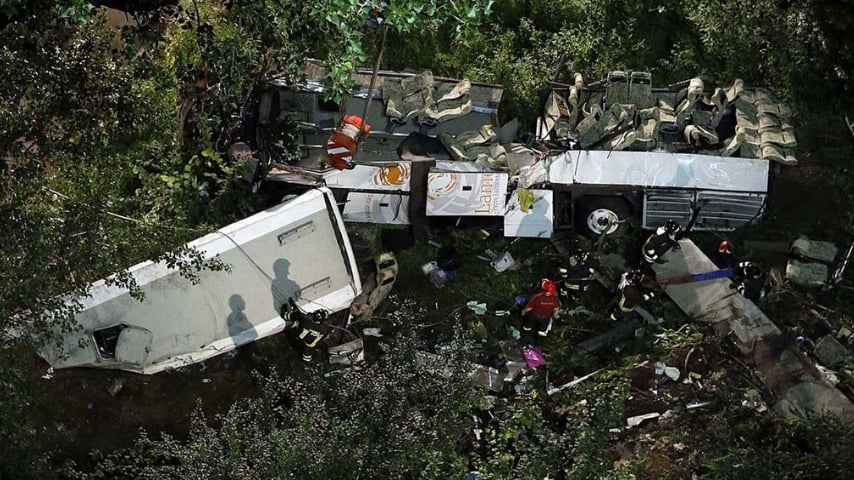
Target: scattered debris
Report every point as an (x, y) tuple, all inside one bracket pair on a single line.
[(372, 332), (829, 375), (503, 261), (376, 287), (830, 352), (477, 308), (802, 391), (696, 405), (672, 373), (115, 386), (754, 400), (534, 357), (817, 264), (515, 359), (637, 420), (552, 390), (49, 374), (206, 380), (348, 353)]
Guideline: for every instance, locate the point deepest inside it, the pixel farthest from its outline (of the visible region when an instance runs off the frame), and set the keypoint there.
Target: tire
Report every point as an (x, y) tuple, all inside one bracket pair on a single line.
[(591, 213)]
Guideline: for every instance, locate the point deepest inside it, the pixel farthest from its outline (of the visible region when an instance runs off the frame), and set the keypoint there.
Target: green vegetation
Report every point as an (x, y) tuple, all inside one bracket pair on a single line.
[(110, 147)]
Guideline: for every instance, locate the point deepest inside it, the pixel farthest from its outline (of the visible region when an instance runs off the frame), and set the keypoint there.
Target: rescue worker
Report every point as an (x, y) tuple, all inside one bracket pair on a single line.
[(665, 237), (630, 294), (541, 308), (576, 277), (725, 258), (749, 281), (311, 327)]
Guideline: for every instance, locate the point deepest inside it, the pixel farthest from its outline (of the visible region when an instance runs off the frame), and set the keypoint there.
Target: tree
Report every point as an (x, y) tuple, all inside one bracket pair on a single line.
[(390, 419)]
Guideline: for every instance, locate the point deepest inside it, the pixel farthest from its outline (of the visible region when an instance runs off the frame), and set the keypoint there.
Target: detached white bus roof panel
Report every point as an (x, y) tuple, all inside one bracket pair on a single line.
[(660, 169), (299, 247)]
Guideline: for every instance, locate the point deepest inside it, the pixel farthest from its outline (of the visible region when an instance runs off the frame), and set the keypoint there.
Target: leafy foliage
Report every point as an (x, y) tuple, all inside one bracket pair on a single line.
[(89, 138), (391, 419), (777, 448), (555, 438)]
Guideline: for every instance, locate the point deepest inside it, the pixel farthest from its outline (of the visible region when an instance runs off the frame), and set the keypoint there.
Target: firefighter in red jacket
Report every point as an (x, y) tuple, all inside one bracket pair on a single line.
[(541, 308)]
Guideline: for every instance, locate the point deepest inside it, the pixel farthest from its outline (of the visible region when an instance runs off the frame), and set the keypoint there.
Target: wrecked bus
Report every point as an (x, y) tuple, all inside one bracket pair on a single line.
[(601, 153), (298, 249)]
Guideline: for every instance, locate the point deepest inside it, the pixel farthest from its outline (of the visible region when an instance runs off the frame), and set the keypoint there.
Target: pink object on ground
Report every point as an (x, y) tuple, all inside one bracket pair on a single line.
[(534, 357)]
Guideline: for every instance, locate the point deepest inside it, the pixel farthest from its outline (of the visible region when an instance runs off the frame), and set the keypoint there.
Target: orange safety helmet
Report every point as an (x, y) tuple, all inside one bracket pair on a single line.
[(548, 286), (725, 247)]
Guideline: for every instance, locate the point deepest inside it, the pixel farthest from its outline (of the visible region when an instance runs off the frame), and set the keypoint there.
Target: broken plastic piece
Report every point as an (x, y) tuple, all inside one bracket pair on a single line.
[(477, 308), (372, 332), (534, 357), (502, 262), (672, 373), (637, 420), (553, 390)]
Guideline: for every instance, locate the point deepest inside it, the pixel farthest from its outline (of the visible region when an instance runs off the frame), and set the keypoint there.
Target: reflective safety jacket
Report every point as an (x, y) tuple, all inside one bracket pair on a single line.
[(749, 281), (311, 332), (577, 278), (631, 295), (657, 245)]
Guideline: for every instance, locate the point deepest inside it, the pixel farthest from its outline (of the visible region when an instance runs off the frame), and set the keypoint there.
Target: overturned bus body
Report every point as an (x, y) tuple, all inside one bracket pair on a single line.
[(601, 153), (297, 249)]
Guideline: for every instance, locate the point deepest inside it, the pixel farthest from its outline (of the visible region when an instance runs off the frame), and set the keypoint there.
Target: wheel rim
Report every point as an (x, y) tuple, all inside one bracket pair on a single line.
[(603, 221)]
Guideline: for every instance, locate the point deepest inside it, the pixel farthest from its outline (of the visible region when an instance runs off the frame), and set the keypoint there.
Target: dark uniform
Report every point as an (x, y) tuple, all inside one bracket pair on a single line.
[(630, 294), (576, 277), (749, 281), (723, 257), (664, 238), (311, 327)]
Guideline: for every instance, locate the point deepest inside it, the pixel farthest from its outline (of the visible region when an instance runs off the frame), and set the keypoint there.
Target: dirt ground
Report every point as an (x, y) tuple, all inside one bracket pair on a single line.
[(77, 411)]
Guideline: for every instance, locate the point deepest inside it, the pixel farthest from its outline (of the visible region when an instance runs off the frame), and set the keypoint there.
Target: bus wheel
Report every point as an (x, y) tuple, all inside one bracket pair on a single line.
[(599, 215)]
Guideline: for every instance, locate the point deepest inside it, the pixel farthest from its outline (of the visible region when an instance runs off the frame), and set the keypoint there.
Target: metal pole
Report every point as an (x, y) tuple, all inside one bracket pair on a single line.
[(370, 96)]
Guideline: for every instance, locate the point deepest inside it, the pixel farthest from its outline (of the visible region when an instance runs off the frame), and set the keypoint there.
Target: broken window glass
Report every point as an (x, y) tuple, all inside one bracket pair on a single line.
[(106, 340), (327, 105)]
